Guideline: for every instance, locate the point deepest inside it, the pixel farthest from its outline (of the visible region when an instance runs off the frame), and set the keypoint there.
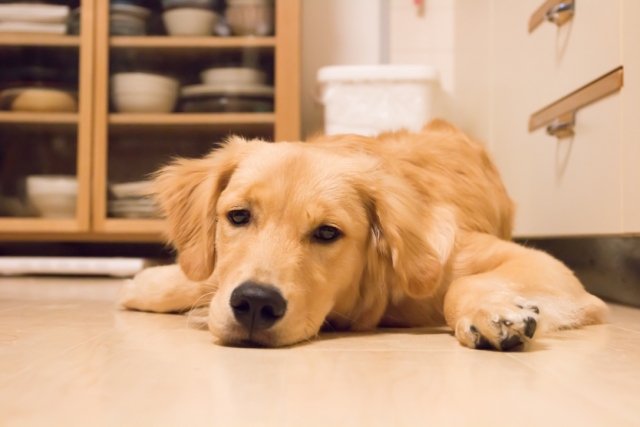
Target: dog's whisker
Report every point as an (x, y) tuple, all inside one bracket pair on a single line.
[(193, 306), (199, 298), (341, 315)]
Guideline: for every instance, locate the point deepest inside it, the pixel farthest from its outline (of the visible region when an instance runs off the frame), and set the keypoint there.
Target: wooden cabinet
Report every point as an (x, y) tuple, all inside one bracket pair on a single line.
[(586, 184), (114, 147), (48, 143)]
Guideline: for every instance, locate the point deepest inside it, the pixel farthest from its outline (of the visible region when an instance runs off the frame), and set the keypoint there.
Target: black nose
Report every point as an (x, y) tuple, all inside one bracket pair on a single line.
[(257, 306)]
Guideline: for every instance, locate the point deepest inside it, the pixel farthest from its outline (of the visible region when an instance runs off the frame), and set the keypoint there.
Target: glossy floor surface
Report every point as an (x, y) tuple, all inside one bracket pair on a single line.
[(68, 357)]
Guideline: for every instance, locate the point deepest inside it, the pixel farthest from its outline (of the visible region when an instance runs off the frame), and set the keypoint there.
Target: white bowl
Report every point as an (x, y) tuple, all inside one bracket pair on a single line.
[(144, 93), (122, 82), (238, 75), (186, 21), (145, 102), (48, 184), (54, 196)]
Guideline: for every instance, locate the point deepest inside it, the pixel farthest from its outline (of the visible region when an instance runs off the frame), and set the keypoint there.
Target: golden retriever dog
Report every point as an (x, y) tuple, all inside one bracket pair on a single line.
[(402, 230)]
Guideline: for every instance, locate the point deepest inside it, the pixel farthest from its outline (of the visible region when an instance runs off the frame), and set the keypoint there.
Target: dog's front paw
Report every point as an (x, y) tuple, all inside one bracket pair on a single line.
[(499, 327), (163, 289)]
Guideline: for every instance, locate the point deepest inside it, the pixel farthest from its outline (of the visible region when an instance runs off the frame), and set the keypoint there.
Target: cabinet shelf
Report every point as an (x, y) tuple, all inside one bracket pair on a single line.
[(45, 121), (207, 122), (150, 227), (191, 119), (24, 117), (37, 225), (159, 42), (28, 39)]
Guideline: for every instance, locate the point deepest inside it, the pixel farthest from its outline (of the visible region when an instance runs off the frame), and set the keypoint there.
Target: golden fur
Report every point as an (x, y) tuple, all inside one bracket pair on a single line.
[(426, 224)]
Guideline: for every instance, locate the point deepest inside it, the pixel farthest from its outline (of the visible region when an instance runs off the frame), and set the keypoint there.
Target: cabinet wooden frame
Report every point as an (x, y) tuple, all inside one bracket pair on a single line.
[(94, 121), (83, 119)]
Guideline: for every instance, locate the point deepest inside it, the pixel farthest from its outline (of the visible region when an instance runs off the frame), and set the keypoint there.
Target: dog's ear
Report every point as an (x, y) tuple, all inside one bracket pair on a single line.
[(411, 237), (187, 191)]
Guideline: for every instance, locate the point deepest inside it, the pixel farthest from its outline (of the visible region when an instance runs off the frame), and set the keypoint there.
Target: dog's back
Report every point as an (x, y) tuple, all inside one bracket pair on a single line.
[(447, 167)]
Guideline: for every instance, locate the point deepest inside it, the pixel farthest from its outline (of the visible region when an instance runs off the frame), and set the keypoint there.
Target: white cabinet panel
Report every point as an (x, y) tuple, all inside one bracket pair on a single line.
[(631, 115), (564, 187), (581, 50), (571, 186), (556, 59)]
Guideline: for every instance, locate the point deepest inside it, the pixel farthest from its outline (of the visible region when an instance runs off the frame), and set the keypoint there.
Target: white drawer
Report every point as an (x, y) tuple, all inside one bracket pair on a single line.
[(570, 186), (557, 60), (564, 187)]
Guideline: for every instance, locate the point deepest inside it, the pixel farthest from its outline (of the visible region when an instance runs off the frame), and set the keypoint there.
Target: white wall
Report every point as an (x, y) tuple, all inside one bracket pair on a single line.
[(453, 36), (336, 32)]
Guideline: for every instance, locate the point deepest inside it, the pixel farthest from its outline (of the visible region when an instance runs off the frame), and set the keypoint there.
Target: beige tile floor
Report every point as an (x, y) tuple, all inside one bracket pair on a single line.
[(69, 358)]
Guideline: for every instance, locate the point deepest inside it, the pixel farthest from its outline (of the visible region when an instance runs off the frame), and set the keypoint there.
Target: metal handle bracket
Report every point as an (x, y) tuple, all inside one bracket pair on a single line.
[(556, 11), (562, 127), (561, 13)]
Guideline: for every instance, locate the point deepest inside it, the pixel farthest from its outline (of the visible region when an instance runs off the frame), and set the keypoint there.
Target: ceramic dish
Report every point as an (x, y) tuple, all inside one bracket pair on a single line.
[(198, 4), (233, 76), (227, 99), (38, 99), (128, 20), (189, 21), (250, 17), (129, 190), (136, 208), (143, 93), (54, 196)]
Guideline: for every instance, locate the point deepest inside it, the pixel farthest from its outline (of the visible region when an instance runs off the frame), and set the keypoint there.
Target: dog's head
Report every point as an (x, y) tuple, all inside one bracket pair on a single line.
[(291, 234)]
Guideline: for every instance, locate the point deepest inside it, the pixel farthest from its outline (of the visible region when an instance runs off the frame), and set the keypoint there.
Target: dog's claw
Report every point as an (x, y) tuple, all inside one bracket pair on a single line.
[(530, 327), (531, 307)]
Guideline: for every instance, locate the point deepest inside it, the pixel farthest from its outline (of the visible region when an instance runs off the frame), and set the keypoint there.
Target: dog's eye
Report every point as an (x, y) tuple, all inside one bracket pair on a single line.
[(239, 217), (326, 234)]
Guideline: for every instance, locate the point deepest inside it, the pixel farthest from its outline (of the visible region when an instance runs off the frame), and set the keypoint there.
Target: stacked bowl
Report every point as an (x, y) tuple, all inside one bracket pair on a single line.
[(229, 90), (250, 17), (131, 200), (127, 18)]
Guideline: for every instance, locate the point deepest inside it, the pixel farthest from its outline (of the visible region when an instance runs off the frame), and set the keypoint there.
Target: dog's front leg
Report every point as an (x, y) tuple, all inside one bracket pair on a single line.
[(502, 294), (164, 289)]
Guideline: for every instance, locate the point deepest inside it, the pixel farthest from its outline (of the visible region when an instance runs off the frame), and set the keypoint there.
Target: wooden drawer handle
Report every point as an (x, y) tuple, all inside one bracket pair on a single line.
[(562, 111), (556, 11)]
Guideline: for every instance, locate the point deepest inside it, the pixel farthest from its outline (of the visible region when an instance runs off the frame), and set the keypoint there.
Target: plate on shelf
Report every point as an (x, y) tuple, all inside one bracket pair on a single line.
[(250, 90), (133, 208), (17, 12), (32, 27), (207, 98), (127, 190)]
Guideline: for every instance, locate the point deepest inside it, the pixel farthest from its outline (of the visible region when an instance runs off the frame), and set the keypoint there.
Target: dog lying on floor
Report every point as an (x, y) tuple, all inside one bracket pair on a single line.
[(402, 230)]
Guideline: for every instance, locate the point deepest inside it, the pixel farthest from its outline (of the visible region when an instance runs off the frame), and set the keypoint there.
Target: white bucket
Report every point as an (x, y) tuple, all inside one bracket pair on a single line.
[(371, 99)]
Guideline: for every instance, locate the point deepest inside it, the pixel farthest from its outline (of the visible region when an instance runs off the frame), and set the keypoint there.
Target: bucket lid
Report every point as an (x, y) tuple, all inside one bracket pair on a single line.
[(376, 72)]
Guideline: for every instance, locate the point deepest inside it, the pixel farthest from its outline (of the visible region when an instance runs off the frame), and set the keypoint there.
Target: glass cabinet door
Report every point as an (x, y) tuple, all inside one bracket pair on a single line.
[(46, 84), (173, 79)]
